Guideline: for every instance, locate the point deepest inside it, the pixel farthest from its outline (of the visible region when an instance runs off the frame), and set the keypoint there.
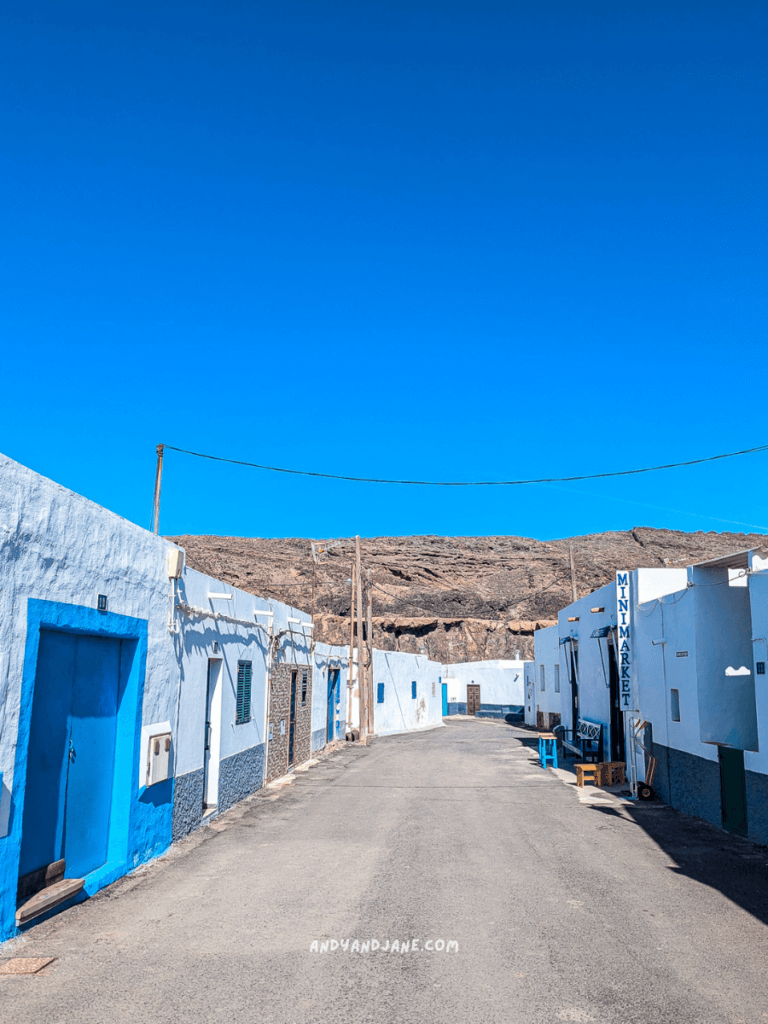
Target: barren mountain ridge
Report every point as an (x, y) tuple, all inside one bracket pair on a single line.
[(453, 598)]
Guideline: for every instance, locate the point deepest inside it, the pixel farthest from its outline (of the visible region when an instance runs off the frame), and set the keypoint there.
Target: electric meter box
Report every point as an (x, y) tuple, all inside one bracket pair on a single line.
[(175, 563), (158, 757)]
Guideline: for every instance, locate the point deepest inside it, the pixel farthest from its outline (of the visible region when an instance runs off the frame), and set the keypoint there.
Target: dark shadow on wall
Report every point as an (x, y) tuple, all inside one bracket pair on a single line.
[(735, 867)]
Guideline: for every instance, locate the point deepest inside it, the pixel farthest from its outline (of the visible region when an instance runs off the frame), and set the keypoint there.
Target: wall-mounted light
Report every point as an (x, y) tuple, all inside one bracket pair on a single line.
[(596, 610), (573, 618)]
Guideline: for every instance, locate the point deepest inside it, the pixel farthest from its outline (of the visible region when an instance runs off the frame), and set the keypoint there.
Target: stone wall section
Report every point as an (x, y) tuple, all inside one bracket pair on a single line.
[(280, 714)]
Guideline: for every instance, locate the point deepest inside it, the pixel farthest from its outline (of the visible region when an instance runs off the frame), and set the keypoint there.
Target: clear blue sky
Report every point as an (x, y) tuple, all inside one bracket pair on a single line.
[(438, 240)]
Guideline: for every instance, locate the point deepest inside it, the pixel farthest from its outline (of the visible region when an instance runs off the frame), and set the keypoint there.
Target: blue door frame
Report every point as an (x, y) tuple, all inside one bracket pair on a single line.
[(333, 700), (139, 826)]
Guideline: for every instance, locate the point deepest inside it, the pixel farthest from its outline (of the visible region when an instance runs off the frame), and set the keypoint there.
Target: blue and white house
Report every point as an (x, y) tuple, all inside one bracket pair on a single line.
[(407, 692), (134, 694), (501, 686)]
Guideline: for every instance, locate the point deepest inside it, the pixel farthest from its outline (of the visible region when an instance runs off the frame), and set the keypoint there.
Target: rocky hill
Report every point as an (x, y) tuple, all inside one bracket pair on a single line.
[(455, 598)]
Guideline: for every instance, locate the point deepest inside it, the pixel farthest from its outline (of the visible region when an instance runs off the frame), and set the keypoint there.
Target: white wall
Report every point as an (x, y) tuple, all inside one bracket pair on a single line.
[(660, 668), (757, 761), (500, 681), (400, 712), (57, 546), (723, 640), (546, 647)]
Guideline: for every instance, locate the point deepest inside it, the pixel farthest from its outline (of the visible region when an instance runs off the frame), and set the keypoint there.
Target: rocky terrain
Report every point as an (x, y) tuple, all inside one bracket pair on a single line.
[(454, 598)]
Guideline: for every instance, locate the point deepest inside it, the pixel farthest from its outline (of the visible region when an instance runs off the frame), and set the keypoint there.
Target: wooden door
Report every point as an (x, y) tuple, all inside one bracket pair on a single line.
[(473, 698)]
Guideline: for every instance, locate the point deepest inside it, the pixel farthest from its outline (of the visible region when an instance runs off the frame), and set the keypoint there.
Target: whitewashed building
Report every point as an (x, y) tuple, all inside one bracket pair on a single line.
[(488, 689)]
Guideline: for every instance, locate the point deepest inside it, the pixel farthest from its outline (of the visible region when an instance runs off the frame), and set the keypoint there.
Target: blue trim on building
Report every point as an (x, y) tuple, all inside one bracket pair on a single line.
[(689, 783), (188, 793), (459, 708), (318, 739), (140, 819), (509, 712)]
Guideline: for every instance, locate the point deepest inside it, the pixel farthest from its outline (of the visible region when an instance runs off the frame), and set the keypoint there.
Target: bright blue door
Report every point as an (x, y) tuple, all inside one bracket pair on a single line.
[(333, 699), (445, 699), (42, 835), (92, 761), (70, 767)]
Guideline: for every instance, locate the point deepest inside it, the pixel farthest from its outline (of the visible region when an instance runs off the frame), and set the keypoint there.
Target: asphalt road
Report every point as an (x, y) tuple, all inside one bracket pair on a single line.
[(566, 905)]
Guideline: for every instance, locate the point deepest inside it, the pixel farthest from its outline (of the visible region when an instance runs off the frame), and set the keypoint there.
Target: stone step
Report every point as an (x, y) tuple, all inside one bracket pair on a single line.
[(48, 898)]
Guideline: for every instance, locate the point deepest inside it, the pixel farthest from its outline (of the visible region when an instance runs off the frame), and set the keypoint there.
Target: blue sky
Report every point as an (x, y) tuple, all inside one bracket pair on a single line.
[(433, 240)]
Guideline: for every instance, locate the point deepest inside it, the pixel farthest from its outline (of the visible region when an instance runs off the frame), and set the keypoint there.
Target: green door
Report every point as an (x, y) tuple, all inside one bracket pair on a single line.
[(732, 790)]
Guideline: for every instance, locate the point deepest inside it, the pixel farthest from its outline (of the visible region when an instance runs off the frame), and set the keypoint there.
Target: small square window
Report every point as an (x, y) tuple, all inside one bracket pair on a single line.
[(557, 679), (761, 668), (380, 693), (674, 700), (413, 689), (543, 676), (102, 603), (304, 683)]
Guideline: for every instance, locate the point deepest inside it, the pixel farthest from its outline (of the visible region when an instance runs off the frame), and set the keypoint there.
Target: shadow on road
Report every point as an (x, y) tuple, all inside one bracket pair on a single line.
[(733, 866)]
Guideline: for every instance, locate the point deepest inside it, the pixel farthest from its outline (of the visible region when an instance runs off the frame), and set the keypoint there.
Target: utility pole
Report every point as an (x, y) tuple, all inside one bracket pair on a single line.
[(351, 651), (369, 651), (361, 673), (158, 480), (573, 575)]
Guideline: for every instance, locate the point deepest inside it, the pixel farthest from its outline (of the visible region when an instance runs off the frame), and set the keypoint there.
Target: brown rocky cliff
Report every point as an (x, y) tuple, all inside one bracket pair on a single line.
[(455, 598)]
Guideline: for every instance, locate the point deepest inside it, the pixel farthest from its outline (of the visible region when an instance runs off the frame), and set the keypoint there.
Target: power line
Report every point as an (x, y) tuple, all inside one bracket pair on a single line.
[(467, 483)]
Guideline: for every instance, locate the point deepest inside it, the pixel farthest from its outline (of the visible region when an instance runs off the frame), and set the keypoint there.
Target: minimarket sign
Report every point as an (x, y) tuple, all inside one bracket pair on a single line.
[(626, 695)]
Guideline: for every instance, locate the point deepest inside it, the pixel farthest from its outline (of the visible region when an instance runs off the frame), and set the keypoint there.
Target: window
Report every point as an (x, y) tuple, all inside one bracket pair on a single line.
[(674, 700), (557, 679), (543, 677), (413, 689), (380, 693), (304, 686), (243, 704)]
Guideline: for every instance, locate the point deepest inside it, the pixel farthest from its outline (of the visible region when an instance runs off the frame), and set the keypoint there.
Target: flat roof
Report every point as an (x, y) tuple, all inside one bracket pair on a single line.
[(737, 560)]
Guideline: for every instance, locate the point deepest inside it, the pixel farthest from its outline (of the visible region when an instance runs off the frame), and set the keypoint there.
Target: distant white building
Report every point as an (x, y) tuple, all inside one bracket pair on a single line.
[(490, 689)]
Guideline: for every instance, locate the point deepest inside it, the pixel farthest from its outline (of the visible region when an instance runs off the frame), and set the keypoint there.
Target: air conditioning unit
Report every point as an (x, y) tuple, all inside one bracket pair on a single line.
[(158, 757)]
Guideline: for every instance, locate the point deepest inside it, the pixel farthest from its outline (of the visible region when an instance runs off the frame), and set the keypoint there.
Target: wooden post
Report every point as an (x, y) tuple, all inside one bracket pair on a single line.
[(158, 480), (361, 673), (369, 651), (573, 575), (350, 686)]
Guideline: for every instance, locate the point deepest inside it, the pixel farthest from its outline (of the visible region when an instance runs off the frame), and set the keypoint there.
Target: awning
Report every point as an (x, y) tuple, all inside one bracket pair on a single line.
[(601, 632)]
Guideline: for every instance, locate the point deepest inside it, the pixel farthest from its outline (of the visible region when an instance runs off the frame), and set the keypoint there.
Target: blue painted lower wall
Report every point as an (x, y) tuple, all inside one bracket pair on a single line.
[(240, 775), (318, 739), (689, 783), (757, 806), (187, 803), (457, 709), (509, 712)]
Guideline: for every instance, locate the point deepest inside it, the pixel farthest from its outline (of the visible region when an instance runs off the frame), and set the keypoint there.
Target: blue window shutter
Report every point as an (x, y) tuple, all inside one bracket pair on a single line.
[(243, 703), (413, 689), (380, 694)]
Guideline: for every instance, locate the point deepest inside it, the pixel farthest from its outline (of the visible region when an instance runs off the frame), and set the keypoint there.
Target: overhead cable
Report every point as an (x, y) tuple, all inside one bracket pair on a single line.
[(467, 483)]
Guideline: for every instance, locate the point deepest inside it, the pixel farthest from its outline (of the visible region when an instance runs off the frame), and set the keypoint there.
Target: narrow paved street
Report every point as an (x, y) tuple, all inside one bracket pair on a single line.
[(566, 905)]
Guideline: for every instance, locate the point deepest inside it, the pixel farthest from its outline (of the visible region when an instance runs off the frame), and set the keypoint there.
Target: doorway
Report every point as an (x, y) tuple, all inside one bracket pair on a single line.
[(617, 715), (71, 755), (573, 660), (292, 720), (333, 700), (444, 694), (473, 698), (212, 736), (733, 794)]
